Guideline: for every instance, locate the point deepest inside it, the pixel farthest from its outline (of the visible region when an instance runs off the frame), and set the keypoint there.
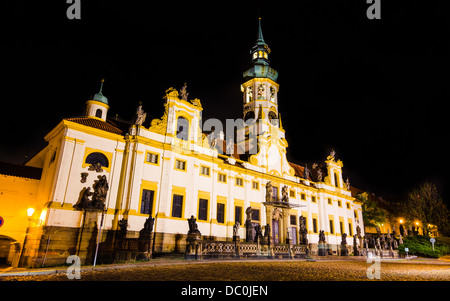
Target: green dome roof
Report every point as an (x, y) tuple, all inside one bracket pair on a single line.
[(99, 96)]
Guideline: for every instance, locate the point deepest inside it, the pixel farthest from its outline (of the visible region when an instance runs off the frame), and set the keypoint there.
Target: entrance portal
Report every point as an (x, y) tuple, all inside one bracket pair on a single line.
[(275, 231)]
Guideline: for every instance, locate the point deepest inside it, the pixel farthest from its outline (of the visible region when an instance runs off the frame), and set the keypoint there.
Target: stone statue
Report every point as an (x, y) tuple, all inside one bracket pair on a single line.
[(303, 240), (249, 212), (306, 172), (230, 146), (236, 229), (140, 116), (319, 175), (332, 155), (269, 191), (258, 232), (285, 194), (322, 236), (193, 227), (344, 251), (358, 231), (95, 167), (85, 201), (267, 231), (84, 176), (183, 92), (100, 191), (347, 183), (288, 234), (123, 226), (148, 225)]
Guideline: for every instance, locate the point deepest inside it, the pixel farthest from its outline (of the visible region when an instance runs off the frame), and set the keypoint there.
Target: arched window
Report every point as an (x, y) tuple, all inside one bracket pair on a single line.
[(98, 113), (336, 179), (249, 115), (182, 130), (94, 158), (273, 118)]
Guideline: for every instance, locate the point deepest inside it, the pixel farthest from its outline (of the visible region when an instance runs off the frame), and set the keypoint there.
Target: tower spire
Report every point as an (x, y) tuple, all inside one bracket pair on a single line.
[(260, 38)]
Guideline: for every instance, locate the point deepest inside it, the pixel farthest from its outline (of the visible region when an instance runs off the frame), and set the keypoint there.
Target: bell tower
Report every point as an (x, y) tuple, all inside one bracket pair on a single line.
[(262, 137)]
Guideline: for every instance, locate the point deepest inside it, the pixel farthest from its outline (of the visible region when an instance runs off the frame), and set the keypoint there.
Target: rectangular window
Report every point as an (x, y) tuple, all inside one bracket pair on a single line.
[(275, 193), (238, 214), (222, 178), (348, 205), (330, 202), (152, 158), (339, 203), (204, 170), (331, 226), (255, 214), (313, 199), (350, 229), (203, 209), (181, 165), (293, 220), (177, 205), (303, 196), (220, 213), (314, 220), (255, 185), (341, 227), (147, 201), (292, 193), (239, 182)]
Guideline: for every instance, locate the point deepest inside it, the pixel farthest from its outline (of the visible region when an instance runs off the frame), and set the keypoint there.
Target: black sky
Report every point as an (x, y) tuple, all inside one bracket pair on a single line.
[(374, 90)]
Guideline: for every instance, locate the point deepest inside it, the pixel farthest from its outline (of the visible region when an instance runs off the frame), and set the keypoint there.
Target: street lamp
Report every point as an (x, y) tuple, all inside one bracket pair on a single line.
[(30, 212)]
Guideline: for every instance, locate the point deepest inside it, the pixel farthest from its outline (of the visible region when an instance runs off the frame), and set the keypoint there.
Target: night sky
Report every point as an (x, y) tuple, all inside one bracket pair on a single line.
[(374, 90)]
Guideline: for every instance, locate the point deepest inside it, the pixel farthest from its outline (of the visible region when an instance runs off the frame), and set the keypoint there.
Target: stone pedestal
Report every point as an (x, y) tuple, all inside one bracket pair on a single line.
[(250, 231), (237, 244), (344, 250), (193, 246), (145, 244), (322, 248), (87, 237)]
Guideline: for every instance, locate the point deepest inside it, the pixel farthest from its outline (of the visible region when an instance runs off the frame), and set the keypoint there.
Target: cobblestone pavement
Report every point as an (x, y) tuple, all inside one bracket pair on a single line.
[(260, 270)]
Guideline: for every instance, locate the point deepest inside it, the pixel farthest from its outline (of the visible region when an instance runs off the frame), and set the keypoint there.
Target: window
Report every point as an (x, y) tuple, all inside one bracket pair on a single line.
[(341, 227), (303, 196), (182, 130), (275, 193), (255, 185), (181, 165), (147, 201), (238, 214), (204, 170), (255, 214), (239, 182), (348, 205), (313, 199), (94, 158), (331, 226), (292, 193), (98, 113), (350, 229), (222, 178), (293, 220), (330, 202), (336, 180), (314, 220), (152, 158), (220, 213), (339, 203), (177, 206), (203, 209)]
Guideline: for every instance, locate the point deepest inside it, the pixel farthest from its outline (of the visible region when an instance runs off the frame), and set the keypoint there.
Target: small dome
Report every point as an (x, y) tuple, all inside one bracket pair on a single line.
[(99, 96)]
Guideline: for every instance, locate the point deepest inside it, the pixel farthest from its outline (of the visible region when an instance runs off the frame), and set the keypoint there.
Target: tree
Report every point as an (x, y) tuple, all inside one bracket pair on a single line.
[(372, 214), (425, 204)]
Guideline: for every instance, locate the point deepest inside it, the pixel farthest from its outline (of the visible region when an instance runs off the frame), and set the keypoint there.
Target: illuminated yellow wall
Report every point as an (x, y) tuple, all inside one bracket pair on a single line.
[(16, 195)]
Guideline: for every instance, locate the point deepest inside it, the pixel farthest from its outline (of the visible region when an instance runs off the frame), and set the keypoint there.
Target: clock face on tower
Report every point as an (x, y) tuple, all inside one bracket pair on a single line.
[(255, 55)]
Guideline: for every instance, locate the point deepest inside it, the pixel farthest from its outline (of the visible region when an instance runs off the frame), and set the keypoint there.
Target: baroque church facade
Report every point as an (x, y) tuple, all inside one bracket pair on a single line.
[(172, 170)]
